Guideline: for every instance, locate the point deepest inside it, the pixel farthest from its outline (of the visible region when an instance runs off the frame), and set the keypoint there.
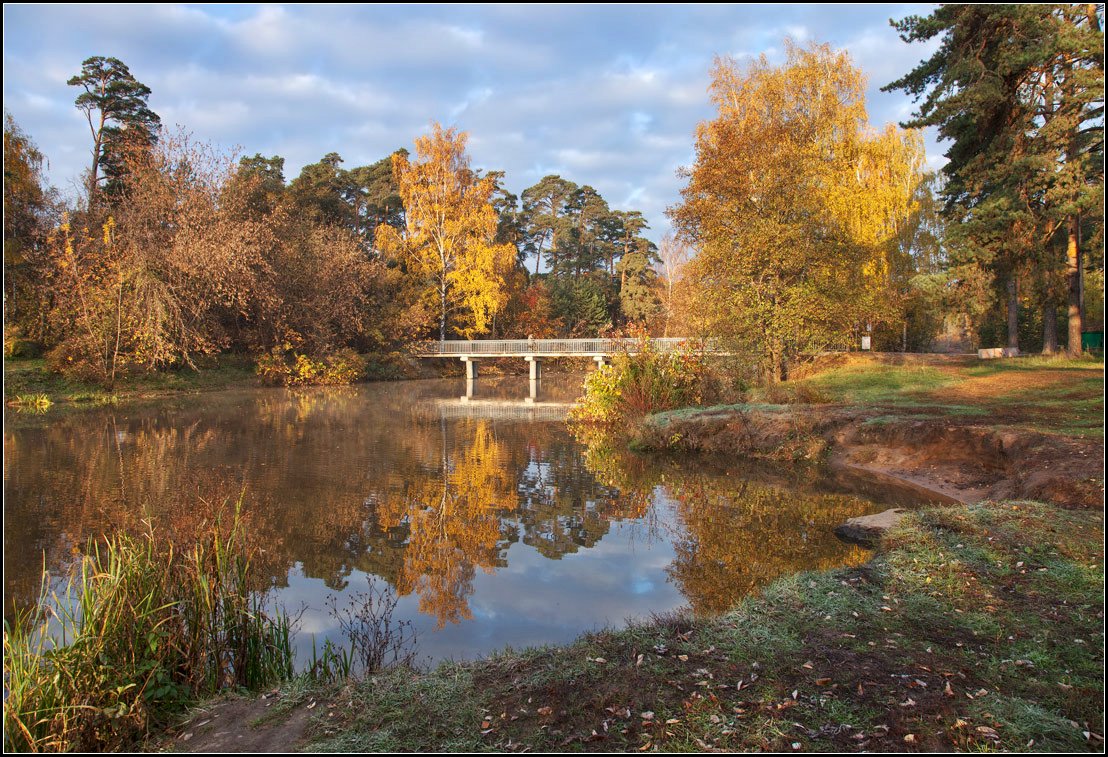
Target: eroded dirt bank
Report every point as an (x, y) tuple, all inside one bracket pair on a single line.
[(957, 458)]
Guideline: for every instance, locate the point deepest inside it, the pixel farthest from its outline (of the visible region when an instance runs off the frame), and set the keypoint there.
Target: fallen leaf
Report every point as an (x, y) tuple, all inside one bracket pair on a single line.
[(988, 733)]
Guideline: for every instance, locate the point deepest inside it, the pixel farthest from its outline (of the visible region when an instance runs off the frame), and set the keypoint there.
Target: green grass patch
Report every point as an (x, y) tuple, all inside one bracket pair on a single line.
[(1034, 363), (875, 384)]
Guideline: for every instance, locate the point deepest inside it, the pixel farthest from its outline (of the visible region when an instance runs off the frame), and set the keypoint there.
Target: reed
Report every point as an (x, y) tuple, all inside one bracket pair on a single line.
[(142, 627)]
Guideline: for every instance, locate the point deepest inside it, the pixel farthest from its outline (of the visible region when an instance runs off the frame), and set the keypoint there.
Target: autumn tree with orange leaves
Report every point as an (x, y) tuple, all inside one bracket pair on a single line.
[(796, 204), (449, 234)]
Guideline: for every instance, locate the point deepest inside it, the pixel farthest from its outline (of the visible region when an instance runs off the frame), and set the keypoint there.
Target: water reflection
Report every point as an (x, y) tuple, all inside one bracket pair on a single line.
[(496, 528)]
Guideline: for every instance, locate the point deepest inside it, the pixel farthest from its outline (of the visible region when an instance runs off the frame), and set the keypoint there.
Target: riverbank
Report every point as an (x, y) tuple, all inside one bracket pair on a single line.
[(968, 430), (27, 378), (975, 626)]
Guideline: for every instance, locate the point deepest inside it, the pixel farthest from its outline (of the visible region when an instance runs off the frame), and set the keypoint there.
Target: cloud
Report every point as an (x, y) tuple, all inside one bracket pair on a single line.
[(606, 95)]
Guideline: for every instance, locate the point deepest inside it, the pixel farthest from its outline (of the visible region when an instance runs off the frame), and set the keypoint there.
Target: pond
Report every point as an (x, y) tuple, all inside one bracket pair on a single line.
[(487, 520)]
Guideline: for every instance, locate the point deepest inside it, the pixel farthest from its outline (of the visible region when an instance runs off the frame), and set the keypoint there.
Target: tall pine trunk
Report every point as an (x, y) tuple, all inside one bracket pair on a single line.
[(1050, 328), (1013, 313), (1073, 285)]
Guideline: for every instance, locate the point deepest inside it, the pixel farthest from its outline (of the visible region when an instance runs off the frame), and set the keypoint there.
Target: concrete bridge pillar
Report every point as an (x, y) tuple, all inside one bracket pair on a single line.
[(533, 363), (471, 367), (601, 361)]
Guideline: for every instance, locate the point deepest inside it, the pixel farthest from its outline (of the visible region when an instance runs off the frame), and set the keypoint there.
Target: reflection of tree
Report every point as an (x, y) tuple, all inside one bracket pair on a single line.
[(335, 480), (737, 528), (338, 481), (564, 506), (454, 523), (737, 537)]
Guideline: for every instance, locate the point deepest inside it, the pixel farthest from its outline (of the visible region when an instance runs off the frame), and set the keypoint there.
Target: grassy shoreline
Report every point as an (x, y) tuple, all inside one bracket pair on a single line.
[(29, 377), (975, 627)]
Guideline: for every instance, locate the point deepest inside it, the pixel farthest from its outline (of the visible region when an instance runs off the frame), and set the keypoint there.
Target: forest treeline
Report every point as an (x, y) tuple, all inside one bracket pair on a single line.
[(801, 227)]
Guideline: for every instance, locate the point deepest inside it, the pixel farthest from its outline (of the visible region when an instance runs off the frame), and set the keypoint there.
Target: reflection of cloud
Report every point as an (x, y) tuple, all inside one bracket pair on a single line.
[(554, 88)]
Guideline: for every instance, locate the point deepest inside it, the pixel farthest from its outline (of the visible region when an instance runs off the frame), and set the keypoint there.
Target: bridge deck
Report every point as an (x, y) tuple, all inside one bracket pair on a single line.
[(545, 347)]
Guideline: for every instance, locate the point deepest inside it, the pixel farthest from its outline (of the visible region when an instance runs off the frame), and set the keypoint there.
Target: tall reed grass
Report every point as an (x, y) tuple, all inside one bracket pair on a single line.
[(144, 626)]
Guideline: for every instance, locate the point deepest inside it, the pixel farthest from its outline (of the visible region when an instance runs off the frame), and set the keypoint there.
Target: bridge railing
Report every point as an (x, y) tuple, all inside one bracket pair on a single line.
[(524, 347)]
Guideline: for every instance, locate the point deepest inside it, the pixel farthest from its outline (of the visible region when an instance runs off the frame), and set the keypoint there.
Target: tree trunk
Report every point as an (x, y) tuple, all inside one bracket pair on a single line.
[(442, 311), (1050, 328), (1073, 282), (1013, 313)]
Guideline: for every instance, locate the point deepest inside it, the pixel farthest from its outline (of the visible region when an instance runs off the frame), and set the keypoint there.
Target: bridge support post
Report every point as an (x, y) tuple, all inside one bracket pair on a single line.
[(471, 367), (601, 361), (533, 363)]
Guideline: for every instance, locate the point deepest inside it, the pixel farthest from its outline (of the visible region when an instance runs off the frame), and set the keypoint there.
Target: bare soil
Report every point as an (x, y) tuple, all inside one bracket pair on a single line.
[(242, 726), (956, 457)]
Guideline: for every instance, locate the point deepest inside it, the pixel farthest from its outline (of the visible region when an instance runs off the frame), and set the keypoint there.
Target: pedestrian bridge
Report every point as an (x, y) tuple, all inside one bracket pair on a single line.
[(532, 350)]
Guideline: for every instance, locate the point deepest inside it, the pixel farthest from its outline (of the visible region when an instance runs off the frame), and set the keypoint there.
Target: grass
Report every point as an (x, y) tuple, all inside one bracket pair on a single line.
[(862, 383), (1055, 395), (29, 377), (144, 627), (978, 628)]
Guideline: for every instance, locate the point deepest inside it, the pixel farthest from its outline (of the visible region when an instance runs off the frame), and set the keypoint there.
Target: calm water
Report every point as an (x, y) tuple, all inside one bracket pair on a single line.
[(489, 521)]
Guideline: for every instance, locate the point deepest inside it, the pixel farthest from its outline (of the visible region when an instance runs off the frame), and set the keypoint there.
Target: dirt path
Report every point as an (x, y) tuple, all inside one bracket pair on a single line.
[(243, 726)]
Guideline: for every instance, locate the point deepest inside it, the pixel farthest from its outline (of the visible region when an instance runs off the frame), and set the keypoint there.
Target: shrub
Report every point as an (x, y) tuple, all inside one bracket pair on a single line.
[(283, 366), (643, 381), (143, 627)]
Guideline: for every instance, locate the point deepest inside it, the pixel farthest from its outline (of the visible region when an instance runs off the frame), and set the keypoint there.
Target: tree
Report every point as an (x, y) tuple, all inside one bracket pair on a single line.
[(259, 183), (794, 203), (638, 291), (320, 192), (375, 196), (114, 103), (28, 211), (673, 256), (544, 205), (1019, 92), (449, 233)]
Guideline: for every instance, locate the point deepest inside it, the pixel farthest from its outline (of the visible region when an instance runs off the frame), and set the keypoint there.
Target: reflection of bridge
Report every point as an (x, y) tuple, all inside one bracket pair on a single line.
[(507, 410), (531, 350)]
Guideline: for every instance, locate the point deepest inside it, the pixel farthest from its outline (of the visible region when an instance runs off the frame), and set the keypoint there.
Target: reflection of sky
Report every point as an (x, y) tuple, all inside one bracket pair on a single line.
[(531, 602)]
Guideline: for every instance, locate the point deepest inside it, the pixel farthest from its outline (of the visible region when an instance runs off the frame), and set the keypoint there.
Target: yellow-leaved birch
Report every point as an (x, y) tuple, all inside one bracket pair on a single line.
[(449, 233)]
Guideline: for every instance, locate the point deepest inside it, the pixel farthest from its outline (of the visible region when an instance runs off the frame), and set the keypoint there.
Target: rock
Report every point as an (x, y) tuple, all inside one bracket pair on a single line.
[(868, 529)]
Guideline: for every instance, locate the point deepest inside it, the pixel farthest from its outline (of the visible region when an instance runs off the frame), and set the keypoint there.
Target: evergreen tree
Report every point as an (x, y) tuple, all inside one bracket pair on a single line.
[(1018, 90), (114, 103)]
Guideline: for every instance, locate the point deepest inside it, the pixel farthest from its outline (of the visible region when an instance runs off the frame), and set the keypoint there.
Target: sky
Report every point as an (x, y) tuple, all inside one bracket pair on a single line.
[(605, 95)]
